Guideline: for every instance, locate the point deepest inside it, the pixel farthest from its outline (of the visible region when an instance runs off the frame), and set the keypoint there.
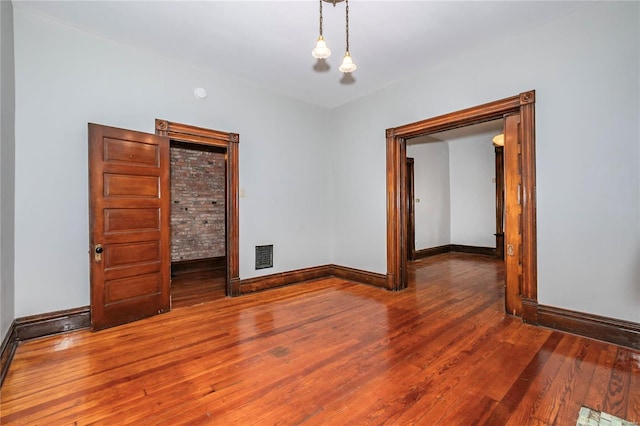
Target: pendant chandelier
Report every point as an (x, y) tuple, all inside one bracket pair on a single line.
[(322, 51)]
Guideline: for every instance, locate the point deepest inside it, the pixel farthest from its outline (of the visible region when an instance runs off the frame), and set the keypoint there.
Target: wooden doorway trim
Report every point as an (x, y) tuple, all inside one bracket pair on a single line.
[(229, 142), (524, 104)]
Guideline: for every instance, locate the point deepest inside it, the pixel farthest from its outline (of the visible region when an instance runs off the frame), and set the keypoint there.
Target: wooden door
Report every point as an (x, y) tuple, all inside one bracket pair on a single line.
[(513, 213), (411, 216), (129, 228), (499, 161)]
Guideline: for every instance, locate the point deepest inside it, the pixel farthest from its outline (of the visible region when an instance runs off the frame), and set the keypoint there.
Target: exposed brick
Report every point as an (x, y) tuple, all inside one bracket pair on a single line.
[(197, 204)]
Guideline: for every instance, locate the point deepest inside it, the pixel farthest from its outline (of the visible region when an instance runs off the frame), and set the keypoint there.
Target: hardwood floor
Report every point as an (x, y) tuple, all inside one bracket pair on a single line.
[(328, 352), (193, 288)]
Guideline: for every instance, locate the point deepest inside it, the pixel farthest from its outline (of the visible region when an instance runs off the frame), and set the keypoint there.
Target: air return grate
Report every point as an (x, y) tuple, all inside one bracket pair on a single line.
[(264, 257)]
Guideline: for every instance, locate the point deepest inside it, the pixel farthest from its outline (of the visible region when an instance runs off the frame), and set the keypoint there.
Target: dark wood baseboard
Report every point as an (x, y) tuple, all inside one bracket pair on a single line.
[(266, 282), (485, 251), (198, 265), (611, 330), (358, 275), (35, 326), (235, 289), (432, 251), (9, 345), (529, 311), (457, 248)]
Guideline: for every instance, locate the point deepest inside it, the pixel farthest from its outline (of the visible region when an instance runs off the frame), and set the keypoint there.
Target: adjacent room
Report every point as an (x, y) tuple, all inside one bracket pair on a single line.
[(198, 211)]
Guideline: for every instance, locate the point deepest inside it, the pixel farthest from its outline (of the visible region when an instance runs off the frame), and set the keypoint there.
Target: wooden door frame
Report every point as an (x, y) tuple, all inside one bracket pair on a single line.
[(229, 142), (524, 104)]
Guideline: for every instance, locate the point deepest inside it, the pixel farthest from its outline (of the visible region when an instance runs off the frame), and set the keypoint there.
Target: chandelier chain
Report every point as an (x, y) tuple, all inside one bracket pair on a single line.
[(320, 17), (347, 16)]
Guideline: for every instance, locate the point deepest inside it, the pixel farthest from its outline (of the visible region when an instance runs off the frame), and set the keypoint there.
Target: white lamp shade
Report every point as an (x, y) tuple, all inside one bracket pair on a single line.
[(321, 50), (347, 64)]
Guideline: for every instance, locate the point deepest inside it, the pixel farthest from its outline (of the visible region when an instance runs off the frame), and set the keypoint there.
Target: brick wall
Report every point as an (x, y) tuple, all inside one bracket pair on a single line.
[(197, 204)]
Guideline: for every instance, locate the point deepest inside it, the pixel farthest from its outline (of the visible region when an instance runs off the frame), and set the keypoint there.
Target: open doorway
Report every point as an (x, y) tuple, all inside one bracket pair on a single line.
[(454, 192), (210, 268), (518, 113), (198, 212), (129, 218)]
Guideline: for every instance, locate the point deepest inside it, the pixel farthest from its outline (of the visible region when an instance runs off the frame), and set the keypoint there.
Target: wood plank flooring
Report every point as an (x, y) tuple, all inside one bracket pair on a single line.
[(328, 352), (193, 288)]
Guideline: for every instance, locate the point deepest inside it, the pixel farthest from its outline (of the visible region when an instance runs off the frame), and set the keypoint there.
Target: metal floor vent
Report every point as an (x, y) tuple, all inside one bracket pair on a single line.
[(264, 257)]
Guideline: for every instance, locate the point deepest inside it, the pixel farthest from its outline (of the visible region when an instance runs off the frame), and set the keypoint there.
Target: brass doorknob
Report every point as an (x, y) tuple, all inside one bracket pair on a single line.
[(97, 256)]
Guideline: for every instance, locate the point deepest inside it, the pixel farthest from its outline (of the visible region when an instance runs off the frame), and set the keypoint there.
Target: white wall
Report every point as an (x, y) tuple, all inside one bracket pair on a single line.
[(473, 191), (453, 179), (66, 78), (7, 168), (585, 70), (432, 188)]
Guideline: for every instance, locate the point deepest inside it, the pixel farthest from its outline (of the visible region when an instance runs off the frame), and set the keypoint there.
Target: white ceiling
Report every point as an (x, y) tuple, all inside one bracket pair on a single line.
[(269, 43)]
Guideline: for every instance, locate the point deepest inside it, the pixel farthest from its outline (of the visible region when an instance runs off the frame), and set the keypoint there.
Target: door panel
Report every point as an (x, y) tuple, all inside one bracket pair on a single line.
[(126, 255), (129, 225), (126, 289), (130, 186), (131, 219), (130, 152), (513, 214)]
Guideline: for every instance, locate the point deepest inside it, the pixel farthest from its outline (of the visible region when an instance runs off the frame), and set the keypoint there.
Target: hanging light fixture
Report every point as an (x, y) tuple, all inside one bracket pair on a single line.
[(498, 140), (347, 63), (321, 50)]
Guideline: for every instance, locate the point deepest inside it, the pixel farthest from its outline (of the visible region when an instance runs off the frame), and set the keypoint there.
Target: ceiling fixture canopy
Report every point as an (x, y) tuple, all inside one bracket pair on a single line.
[(322, 51)]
